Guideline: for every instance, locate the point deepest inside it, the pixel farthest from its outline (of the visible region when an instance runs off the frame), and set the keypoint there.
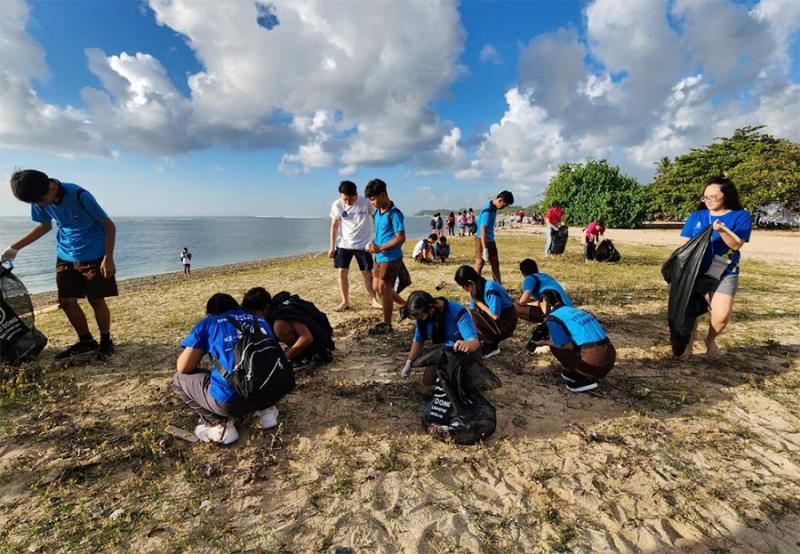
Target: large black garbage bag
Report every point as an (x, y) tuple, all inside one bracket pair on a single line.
[(458, 411), (606, 252), (686, 302), (291, 307), (559, 240), (20, 340)]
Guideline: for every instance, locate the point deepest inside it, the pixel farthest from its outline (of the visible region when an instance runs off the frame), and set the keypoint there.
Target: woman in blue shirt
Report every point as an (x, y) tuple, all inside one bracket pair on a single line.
[(442, 322), (578, 341), (533, 285), (732, 225), (491, 307), (207, 392)]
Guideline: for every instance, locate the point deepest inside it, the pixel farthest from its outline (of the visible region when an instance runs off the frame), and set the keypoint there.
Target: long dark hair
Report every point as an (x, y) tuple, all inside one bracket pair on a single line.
[(730, 196), (220, 303), (418, 302), (466, 275), (553, 299)]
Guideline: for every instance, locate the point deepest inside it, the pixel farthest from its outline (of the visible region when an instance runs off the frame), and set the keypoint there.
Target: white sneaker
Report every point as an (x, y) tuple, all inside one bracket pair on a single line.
[(224, 433), (268, 417)]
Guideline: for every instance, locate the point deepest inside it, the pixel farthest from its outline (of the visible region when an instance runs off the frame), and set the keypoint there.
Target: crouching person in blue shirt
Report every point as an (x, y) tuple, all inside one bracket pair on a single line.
[(578, 341), (534, 284), (208, 392), (442, 322)]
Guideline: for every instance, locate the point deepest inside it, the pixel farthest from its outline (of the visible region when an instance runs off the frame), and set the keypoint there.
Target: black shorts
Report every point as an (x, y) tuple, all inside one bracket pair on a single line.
[(83, 279), (343, 256)]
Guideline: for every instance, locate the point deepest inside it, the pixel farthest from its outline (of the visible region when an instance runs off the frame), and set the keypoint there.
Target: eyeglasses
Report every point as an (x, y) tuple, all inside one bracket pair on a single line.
[(711, 198)]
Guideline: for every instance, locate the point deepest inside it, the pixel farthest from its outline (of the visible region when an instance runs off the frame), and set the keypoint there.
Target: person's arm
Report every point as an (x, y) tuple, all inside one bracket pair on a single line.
[(107, 267), (189, 359), (524, 298), (32, 236), (470, 345), (334, 232), (398, 240), (728, 237), (483, 306), (304, 340)]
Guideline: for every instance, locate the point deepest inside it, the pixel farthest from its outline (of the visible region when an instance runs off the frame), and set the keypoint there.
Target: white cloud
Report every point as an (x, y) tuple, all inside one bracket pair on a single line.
[(490, 54)]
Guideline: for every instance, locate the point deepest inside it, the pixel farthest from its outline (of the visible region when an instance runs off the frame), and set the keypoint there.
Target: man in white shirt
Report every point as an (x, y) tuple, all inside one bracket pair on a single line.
[(351, 231), (423, 250)]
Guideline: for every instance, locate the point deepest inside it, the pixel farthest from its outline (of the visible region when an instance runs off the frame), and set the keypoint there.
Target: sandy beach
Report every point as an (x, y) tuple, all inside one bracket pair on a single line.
[(695, 456)]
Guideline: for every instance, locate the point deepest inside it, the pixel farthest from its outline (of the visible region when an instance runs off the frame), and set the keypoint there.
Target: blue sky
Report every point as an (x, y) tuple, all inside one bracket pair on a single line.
[(181, 107)]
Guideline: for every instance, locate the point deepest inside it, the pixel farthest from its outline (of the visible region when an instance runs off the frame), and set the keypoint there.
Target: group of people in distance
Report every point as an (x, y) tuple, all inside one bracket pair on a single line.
[(431, 249), (85, 269)]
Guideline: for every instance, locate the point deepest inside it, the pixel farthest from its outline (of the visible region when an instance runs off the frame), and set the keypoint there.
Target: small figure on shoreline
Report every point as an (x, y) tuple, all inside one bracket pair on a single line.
[(186, 260)]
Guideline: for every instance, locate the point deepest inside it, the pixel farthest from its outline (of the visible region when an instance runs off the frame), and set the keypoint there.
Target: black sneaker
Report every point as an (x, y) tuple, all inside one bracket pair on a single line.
[(570, 376), (582, 384), (380, 329), (324, 357), (81, 350), (105, 350)]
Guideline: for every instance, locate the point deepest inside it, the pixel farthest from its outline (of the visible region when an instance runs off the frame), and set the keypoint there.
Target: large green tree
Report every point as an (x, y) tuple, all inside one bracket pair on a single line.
[(764, 169), (595, 190)]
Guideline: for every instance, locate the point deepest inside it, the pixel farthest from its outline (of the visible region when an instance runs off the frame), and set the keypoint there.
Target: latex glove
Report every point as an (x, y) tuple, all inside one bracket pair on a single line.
[(405, 373), (9, 254), (485, 255)]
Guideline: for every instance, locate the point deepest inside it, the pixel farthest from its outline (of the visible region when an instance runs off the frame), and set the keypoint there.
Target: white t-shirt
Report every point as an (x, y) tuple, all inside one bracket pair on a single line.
[(185, 258), (355, 223), (420, 247)]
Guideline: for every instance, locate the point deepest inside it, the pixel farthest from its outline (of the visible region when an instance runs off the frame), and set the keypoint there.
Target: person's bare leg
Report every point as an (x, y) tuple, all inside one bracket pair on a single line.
[(368, 284), (495, 263), (101, 314), (75, 315), (344, 289), (690, 347), (377, 298), (721, 309), (479, 263), (397, 299)]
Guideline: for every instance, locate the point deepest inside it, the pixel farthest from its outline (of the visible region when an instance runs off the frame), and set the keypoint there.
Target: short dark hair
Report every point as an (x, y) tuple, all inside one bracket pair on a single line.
[(433, 236), (374, 188), (418, 302), (555, 204), (221, 302), (256, 299), (442, 239), (600, 223), (348, 187), (730, 194), (528, 266), (553, 299), (30, 185), (506, 196)]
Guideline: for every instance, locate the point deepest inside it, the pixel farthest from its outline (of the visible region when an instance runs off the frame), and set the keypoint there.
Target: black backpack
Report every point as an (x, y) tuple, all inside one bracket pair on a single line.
[(458, 411), (293, 308), (606, 252), (261, 371), (20, 340)]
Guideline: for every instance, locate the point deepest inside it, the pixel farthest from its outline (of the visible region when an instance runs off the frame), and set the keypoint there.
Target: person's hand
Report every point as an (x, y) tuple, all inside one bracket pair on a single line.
[(485, 255), (460, 346), (331, 252), (718, 226), (9, 254), (405, 373), (371, 248), (107, 267)]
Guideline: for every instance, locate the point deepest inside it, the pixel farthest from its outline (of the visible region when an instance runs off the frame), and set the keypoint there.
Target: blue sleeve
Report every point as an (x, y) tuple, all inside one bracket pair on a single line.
[(418, 333), (471, 303), (688, 227), (398, 222), (558, 335), (743, 225), (494, 302), (92, 207), (39, 215), (197, 337), (466, 327)]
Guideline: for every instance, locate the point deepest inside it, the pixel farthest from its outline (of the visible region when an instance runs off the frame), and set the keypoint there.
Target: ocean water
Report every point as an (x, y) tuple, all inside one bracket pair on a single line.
[(152, 245)]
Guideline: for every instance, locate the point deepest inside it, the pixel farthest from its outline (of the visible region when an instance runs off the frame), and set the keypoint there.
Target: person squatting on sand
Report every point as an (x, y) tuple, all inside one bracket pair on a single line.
[(208, 392), (442, 322), (390, 234), (423, 250), (441, 250), (491, 308), (351, 231), (592, 235), (578, 341), (485, 246), (84, 255), (732, 224), (533, 285)]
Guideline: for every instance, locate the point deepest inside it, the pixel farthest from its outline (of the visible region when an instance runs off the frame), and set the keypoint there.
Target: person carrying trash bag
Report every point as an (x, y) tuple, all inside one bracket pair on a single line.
[(20, 340), (577, 340)]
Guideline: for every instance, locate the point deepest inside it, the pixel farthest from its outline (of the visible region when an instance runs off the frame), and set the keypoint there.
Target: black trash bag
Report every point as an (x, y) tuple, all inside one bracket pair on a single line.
[(20, 340), (589, 251), (559, 239), (686, 302), (291, 307), (458, 411), (606, 252), (540, 332)]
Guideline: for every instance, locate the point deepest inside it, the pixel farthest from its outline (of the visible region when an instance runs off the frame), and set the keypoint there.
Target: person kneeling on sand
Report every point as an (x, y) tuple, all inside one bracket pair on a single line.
[(578, 341), (441, 250), (442, 322), (208, 392), (533, 285), (423, 250), (491, 308)]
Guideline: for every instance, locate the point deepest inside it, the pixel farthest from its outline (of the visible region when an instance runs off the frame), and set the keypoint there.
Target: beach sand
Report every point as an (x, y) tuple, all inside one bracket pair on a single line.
[(699, 456)]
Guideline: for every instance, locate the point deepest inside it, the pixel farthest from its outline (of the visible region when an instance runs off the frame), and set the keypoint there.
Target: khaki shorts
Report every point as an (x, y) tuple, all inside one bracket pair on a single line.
[(83, 280), (387, 271), (491, 246)]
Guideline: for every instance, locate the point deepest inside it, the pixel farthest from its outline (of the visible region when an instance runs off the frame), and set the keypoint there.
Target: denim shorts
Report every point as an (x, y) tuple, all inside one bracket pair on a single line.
[(727, 285)]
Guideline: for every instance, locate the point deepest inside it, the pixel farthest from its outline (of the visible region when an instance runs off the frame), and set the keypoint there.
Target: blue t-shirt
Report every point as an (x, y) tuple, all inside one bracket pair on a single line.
[(738, 221), (440, 250), (80, 236), (495, 297), (458, 325), (387, 224), (487, 217), (568, 324), (536, 283), (217, 336)]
